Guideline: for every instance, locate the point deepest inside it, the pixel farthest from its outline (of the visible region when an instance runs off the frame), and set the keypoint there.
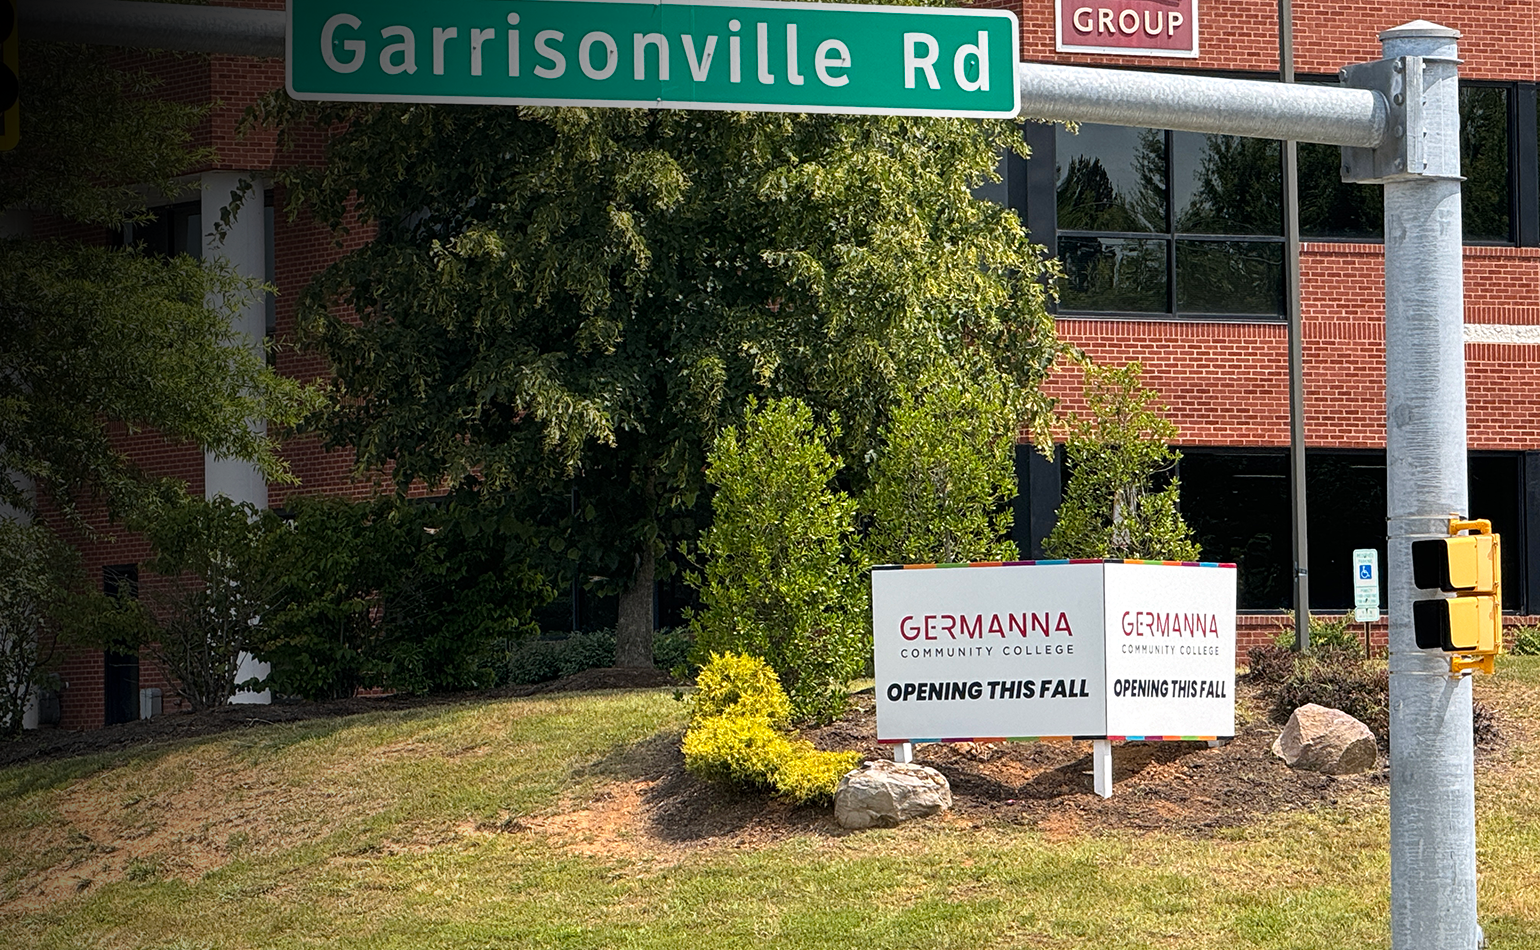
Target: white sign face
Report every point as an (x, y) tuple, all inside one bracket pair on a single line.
[(1366, 577), (1170, 651), (1064, 649), (1001, 651)]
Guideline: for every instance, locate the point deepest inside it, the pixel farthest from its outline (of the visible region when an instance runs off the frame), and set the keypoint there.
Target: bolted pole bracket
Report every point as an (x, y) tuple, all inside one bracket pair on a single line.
[(1388, 78), (1413, 147), (1405, 155)]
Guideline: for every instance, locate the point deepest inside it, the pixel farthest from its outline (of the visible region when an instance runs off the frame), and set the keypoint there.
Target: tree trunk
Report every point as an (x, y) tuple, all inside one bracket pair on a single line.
[(633, 628)]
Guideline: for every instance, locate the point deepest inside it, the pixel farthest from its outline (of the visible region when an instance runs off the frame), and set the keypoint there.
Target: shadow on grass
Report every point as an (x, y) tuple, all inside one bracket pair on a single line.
[(680, 809)]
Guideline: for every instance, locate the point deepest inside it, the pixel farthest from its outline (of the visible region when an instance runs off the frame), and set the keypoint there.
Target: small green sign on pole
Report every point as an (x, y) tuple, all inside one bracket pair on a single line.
[(751, 55)]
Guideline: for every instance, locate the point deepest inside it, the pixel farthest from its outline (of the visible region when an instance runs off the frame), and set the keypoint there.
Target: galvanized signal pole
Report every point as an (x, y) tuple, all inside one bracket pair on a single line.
[(1399, 125)]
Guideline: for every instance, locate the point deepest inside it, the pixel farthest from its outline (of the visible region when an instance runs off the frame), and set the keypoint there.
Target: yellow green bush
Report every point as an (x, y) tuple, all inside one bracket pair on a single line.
[(735, 735), (741, 686)]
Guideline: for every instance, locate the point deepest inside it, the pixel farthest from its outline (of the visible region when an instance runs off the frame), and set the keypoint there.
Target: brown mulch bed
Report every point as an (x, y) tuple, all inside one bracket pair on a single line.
[(45, 744), (1171, 785), (1181, 787)]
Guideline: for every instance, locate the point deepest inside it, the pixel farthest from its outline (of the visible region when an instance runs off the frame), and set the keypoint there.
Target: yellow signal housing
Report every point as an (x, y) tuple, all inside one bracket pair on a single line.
[(1468, 625), (10, 82)]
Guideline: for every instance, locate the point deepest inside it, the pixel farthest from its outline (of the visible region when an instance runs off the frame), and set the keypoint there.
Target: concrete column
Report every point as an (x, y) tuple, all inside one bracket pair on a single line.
[(244, 246)]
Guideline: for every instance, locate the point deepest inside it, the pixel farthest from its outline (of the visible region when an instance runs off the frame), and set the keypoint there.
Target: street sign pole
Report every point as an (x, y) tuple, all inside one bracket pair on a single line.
[(1294, 314)]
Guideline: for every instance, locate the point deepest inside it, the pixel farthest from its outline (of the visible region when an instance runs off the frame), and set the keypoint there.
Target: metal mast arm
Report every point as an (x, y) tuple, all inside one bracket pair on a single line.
[(1330, 115)]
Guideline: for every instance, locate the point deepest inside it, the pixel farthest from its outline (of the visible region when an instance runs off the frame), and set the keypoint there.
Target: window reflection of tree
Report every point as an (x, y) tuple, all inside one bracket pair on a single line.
[(1241, 277), (1088, 200), (1107, 200), (1484, 163), (1117, 274), (1120, 275), (1237, 189), (1330, 208)]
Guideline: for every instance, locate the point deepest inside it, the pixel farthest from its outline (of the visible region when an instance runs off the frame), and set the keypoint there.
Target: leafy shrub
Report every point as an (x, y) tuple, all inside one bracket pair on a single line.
[(735, 737), (942, 486), (39, 574), (407, 596), (1331, 633), (1341, 679), (738, 750), (1522, 641), (1341, 682), (809, 775), (542, 660), (1116, 453), (671, 649), (779, 581), (1270, 665), (216, 586), (739, 686)]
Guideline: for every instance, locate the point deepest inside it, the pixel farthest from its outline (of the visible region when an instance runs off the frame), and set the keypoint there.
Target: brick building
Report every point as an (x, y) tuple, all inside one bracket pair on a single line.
[(1172, 244), (261, 242)]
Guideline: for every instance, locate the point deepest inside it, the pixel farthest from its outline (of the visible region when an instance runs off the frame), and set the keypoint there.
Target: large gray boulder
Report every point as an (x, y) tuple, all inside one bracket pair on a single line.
[(881, 794), (1326, 740)]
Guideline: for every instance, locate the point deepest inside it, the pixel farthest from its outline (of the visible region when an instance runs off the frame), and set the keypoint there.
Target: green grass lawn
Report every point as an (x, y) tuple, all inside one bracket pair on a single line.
[(430, 828)]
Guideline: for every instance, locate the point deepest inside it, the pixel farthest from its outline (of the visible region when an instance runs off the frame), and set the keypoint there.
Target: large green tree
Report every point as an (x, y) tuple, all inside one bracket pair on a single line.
[(1118, 452), (97, 337), (564, 307)]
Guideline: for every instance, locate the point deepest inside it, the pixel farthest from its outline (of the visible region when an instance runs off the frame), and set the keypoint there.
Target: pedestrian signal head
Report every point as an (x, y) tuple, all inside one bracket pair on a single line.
[(1470, 567)]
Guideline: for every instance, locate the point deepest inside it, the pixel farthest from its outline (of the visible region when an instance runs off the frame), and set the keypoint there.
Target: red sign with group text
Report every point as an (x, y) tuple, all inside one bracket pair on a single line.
[(1128, 27)]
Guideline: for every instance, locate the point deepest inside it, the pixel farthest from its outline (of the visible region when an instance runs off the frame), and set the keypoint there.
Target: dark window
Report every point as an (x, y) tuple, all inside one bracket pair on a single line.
[(1497, 493), (120, 671), (1345, 496), (121, 580), (1486, 195), (1237, 504), (1239, 508), (175, 229), (1153, 222), (1330, 209)]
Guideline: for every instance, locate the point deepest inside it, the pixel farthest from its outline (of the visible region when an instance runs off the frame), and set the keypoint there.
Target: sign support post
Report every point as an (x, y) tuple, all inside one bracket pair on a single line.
[(1101, 767)]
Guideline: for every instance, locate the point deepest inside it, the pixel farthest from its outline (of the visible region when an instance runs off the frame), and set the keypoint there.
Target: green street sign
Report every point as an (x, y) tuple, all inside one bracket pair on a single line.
[(752, 55)]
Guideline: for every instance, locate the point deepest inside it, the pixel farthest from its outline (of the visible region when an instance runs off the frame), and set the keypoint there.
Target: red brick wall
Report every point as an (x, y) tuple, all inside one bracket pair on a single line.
[(1498, 40), (1227, 383)]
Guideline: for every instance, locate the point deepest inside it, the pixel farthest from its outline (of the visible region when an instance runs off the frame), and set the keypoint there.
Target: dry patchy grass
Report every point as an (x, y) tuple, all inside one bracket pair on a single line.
[(561, 822)]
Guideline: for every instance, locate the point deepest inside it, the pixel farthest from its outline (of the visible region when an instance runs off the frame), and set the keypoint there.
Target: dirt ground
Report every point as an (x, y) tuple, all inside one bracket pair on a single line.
[(1182, 787)]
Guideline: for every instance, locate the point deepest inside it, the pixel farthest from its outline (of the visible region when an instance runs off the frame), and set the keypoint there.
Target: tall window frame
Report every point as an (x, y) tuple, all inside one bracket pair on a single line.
[(1038, 198)]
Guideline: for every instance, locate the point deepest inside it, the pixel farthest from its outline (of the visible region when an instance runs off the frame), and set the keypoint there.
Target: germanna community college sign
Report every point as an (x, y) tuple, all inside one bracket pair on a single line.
[(1065, 649), (1128, 27)]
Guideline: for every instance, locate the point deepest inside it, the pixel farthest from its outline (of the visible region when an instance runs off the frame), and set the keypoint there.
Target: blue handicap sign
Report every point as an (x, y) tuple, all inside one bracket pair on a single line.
[(1365, 572)]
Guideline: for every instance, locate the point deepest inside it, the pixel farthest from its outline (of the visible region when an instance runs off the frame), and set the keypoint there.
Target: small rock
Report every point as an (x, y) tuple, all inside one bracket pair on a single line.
[(881, 794), (1326, 740)]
